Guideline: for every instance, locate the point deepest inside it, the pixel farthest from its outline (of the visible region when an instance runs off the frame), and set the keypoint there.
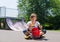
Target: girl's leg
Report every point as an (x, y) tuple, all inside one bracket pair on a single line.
[(41, 33)]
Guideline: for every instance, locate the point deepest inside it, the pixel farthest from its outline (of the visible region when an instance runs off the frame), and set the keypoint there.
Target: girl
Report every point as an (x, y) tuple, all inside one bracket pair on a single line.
[(31, 24)]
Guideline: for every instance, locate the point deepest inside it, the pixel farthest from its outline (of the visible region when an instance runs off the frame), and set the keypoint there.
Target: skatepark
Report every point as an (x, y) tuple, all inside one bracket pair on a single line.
[(16, 34), (13, 20)]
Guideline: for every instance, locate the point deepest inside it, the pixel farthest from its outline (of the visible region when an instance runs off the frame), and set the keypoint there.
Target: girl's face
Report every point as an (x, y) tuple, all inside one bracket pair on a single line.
[(33, 18)]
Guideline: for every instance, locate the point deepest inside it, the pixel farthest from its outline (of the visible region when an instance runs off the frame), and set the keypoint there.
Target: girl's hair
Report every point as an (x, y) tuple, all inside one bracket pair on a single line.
[(33, 15)]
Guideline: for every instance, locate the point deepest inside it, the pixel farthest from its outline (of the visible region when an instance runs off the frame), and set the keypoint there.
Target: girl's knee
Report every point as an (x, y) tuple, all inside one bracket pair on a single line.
[(41, 33)]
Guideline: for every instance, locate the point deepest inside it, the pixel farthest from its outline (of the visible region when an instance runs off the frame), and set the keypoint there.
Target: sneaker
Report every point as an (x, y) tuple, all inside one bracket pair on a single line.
[(26, 37)]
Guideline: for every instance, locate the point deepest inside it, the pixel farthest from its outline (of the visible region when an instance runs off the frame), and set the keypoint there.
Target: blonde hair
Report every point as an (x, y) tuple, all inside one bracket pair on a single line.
[(33, 15)]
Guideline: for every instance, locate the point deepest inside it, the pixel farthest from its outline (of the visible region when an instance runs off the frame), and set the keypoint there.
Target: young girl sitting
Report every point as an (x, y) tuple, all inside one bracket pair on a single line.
[(31, 24)]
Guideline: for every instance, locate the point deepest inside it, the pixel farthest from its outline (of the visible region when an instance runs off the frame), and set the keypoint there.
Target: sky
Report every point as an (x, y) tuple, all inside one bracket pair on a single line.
[(9, 3)]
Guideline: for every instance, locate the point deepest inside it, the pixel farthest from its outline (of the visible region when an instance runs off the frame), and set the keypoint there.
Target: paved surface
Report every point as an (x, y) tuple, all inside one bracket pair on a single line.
[(13, 36)]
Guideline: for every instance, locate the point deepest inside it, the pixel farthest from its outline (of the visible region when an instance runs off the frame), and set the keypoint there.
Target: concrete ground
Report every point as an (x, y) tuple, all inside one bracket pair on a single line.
[(13, 36)]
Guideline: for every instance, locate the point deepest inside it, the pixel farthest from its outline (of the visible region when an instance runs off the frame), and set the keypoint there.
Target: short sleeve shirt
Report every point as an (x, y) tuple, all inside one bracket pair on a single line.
[(35, 25)]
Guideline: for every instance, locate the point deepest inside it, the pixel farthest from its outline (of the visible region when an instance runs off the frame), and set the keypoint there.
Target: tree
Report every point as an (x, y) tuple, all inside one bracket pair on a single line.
[(48, 11), (54, 20), (34, 6)]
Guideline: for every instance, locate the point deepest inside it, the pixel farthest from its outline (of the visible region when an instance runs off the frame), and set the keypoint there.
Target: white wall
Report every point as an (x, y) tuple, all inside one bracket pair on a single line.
[(11, 12), (2, 12), (8, 12)]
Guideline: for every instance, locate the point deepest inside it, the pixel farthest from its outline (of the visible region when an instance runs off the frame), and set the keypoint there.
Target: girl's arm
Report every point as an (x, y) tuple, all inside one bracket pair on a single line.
[(40, 27)]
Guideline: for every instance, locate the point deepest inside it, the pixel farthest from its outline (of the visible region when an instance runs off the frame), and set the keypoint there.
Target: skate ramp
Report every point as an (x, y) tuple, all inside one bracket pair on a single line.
[(17, 26)]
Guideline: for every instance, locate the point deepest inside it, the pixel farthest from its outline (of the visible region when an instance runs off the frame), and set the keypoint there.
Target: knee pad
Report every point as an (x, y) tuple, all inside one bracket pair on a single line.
[(24, 31)]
